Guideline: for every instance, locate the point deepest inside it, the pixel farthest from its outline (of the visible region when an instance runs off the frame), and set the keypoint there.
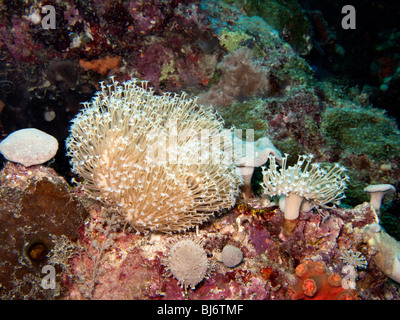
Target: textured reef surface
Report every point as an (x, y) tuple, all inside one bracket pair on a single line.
[(100, 259), (246, 60)]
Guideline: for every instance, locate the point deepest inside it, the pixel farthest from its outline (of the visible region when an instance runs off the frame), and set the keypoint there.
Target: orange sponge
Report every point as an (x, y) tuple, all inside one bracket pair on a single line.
[(102, 65)]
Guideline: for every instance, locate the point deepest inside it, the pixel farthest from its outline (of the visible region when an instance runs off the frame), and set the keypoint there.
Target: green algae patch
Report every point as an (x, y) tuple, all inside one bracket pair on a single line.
[(362, 131), (246, 115)]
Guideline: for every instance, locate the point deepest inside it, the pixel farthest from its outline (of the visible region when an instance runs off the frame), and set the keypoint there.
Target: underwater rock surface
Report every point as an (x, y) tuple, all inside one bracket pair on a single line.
[(132, 266), (36, 207)]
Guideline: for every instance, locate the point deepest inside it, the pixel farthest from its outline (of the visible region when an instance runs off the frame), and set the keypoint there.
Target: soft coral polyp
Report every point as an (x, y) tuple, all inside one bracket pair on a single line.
[(314, 282)]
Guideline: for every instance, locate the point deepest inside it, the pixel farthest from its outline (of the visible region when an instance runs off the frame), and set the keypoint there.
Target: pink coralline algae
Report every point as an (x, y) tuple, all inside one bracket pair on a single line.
[(151, 61), (294, 116), (111, 262), (148, 16), (18, 41), (136, 265)]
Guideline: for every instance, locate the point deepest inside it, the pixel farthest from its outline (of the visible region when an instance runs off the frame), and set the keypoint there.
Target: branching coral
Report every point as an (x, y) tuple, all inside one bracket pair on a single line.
[(159, 161), (304, 181)]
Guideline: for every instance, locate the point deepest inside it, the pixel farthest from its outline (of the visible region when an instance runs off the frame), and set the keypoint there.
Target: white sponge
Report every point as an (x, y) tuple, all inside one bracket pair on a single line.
[(29, 147)]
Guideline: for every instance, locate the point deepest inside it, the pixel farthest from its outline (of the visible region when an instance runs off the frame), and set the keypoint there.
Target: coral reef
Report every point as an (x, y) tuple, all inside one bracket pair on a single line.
[(300, 103), (240, 79), (288, 19), (362, 131), (136, 266), (280, 68)]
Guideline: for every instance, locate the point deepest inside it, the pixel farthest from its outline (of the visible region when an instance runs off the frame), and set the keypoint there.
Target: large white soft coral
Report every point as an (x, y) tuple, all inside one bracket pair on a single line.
[(304, 180), (160, 162)]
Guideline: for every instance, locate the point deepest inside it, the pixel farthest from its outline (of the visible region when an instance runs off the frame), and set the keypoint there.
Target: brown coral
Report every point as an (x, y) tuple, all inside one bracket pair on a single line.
[(35, 206), (241, 79), (314, 282)]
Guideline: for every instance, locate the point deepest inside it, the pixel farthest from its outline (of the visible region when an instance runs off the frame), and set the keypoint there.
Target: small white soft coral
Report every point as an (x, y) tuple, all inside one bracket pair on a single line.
[(356, 260), (304, 181)]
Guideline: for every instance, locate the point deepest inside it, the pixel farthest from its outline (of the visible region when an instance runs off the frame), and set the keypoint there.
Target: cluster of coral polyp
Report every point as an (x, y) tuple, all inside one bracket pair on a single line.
[(159, 161), (304, 181), (314, 282)]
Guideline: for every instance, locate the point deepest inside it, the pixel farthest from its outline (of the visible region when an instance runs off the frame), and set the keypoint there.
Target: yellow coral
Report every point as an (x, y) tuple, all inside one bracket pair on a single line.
[(231, 40)]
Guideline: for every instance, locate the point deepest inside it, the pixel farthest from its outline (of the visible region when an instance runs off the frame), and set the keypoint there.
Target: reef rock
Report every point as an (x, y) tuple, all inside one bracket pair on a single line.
[(36, 208)]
